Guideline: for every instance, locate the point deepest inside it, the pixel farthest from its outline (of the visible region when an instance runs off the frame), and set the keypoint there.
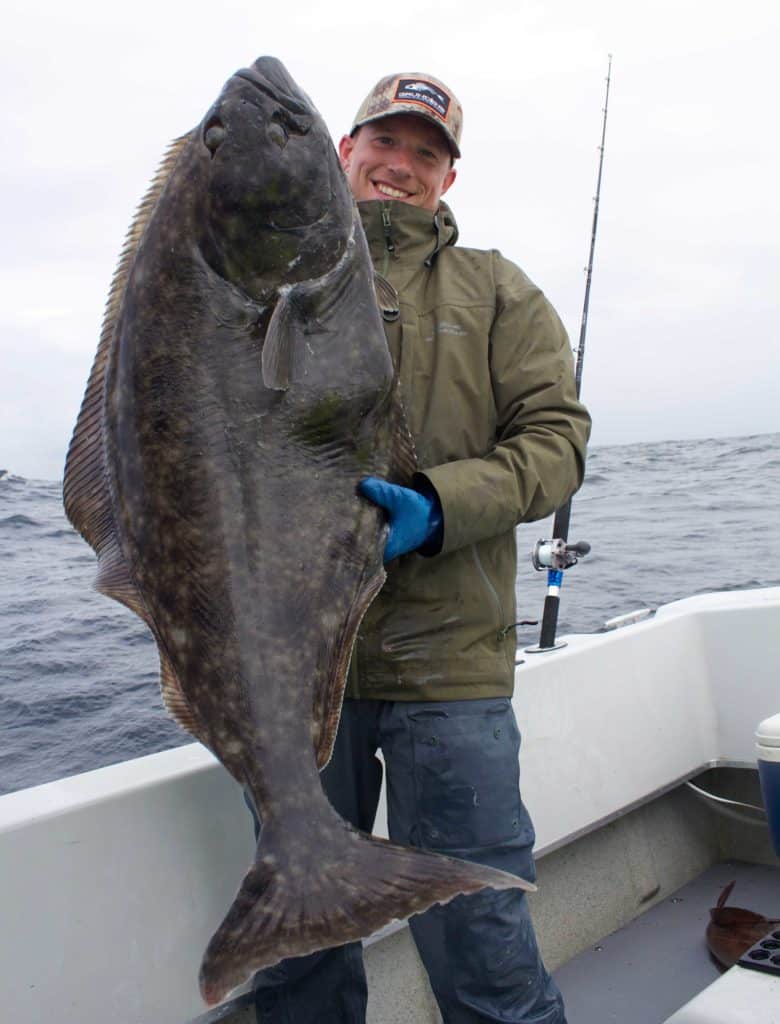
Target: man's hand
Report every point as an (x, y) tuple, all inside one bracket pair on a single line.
[(415, 518)]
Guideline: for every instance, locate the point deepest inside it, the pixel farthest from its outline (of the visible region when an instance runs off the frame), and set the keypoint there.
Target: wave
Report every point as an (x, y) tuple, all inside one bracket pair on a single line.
[(18, 520)]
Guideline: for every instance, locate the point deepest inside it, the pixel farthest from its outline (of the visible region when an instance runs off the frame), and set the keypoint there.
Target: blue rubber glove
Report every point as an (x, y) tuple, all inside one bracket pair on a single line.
[(415, 518)]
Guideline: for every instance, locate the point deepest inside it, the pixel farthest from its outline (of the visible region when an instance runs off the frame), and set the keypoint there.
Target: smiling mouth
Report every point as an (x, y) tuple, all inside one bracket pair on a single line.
[(390, 192)]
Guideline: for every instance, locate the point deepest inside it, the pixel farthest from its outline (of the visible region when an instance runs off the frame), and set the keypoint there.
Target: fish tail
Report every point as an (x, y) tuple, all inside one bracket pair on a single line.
[(344, 887)]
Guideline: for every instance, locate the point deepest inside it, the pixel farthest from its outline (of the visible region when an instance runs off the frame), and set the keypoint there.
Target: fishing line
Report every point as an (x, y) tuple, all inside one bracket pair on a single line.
[(557, 555)]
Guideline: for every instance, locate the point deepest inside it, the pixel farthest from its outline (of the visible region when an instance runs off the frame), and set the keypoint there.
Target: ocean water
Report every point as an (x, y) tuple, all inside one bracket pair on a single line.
[(78, 672)]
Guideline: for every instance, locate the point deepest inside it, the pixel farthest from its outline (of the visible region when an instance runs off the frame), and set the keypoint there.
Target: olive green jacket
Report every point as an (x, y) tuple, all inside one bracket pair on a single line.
[(487, 379)]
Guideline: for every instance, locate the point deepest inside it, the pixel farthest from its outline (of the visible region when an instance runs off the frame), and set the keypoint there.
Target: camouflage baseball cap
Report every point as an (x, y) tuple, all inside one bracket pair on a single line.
[(412, 92)]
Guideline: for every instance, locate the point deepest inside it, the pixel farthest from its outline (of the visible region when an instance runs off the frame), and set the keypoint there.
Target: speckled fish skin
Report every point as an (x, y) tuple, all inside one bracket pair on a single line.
[(241, 389)]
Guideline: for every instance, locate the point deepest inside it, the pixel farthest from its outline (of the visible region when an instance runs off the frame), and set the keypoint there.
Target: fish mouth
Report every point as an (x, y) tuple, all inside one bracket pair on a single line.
[(274, 92)]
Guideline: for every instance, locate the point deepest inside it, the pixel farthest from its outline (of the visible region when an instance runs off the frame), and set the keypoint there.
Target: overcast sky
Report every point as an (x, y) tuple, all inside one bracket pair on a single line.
[(683, 328)]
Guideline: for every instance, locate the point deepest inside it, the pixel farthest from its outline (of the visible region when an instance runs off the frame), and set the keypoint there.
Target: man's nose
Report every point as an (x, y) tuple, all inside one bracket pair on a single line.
[(400, 162)]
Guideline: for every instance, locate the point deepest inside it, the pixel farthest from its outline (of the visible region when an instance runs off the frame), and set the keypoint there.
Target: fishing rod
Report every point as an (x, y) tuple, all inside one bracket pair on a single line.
[(558, 555)]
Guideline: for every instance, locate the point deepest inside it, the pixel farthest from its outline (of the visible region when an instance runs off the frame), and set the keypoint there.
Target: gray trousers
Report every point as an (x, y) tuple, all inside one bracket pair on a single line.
[(452, 786)]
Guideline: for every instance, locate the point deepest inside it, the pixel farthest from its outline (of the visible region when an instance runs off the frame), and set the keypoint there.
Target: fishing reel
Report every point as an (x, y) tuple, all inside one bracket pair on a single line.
[(557, 554)]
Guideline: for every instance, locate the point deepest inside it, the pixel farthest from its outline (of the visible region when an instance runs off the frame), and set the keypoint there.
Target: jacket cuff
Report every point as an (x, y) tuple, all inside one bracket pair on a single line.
[(472, 509), (432, 545)]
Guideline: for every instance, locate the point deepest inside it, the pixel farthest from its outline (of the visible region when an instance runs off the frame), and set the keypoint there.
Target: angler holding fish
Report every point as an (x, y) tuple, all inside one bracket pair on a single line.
[(488, 387), (241, 388)]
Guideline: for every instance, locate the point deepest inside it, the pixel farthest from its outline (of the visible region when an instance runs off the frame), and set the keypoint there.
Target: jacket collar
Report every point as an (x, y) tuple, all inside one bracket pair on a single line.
[(405, 232)]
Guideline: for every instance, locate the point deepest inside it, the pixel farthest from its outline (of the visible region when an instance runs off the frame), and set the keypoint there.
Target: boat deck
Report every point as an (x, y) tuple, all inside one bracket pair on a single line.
[(642, 973)]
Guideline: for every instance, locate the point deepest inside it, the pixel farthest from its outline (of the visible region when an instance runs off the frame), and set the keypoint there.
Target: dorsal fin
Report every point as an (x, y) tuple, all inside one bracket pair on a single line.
[(85, 491), (176, 704), (85, 487), (114, 581)]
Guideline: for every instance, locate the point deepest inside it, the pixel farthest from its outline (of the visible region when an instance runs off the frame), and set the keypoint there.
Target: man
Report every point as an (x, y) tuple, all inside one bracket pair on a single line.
[(486, 375)]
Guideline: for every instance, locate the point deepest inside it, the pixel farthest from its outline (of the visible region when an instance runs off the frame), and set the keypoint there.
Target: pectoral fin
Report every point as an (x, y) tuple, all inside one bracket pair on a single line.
[(284, 335), (386, 298)]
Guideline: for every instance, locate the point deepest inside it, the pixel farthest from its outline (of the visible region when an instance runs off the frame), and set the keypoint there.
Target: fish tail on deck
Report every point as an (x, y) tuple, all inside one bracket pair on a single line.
[(344, 887)]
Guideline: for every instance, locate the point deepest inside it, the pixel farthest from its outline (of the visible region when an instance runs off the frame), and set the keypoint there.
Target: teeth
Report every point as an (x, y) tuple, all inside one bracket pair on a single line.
[(394, 193)]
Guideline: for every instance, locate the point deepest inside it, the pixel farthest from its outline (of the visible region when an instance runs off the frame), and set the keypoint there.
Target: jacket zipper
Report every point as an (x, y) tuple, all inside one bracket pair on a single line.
[(501, 633), (389, 243)]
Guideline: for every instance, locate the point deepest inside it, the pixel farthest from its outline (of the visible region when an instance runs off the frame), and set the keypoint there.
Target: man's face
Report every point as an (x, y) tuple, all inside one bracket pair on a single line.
[(399, 157)]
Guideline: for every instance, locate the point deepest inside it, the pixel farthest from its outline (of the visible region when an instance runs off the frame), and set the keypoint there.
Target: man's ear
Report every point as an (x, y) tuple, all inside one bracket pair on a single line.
[(449, 178), (346, 145)]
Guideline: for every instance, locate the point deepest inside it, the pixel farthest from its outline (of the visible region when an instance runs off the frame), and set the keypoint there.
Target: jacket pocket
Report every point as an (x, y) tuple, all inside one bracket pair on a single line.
[(467, 774)]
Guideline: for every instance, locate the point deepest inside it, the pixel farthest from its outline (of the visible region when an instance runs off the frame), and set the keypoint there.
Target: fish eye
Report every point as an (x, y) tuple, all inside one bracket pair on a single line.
[(277, 134), (291, 124), (213, 135)]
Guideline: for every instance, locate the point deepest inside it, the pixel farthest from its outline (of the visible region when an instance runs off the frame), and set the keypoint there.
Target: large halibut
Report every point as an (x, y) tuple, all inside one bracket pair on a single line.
[(241, 388)]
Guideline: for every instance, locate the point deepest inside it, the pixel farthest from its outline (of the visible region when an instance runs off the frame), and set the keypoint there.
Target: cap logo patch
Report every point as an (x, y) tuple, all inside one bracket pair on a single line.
[(418, 90)]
